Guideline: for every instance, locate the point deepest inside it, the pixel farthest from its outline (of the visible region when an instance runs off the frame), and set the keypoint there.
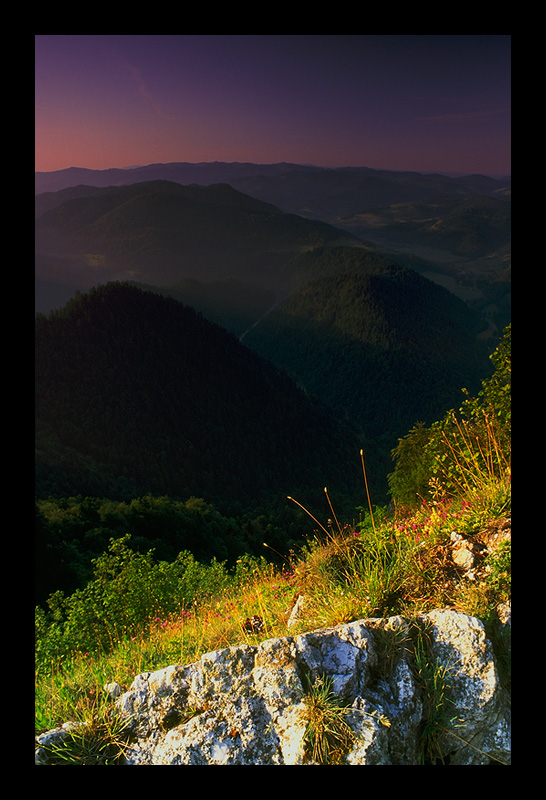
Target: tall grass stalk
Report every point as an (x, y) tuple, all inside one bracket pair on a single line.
[(332, 510), (477, 453), (309, 513), (367, 489)]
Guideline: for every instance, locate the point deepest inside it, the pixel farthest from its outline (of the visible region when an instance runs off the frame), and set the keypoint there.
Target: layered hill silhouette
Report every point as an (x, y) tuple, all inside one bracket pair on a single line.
[(455, 230), (203, 173), (358, 328), (162, 232), (467, 227), (300, 189), (241, 331), (333, 194), (137, 393)]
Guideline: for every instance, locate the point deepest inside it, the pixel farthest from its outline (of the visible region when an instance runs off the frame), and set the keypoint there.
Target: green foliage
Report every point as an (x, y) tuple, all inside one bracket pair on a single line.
[(249, 568), (464, 451), (71, 532), (474, 446), (128, 590), (414, 466), (500, 566)]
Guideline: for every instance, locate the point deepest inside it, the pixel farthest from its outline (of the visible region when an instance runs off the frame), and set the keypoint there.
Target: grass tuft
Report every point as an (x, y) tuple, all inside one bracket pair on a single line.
[(327, 737)]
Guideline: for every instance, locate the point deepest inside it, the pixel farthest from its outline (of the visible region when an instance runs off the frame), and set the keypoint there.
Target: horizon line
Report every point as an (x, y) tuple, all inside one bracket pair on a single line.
[(447, 173)]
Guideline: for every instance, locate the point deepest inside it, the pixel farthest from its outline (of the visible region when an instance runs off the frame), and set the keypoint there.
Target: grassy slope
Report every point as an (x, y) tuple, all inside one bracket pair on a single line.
[(379, 567)]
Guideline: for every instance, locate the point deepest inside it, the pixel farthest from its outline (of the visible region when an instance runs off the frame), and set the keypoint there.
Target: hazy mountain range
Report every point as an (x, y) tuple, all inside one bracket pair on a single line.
[(455, 230), (292, 187), (322, 273), (162, 232)]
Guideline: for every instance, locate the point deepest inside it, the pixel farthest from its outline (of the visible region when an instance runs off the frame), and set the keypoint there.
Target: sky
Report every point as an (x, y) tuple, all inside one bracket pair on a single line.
[(426, 103)]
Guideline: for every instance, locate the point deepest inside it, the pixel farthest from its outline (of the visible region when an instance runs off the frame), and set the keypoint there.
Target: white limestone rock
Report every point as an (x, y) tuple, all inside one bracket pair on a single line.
[(244, 705)]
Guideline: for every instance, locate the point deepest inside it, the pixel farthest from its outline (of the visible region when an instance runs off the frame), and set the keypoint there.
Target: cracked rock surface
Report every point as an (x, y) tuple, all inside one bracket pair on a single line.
[(244, 705)]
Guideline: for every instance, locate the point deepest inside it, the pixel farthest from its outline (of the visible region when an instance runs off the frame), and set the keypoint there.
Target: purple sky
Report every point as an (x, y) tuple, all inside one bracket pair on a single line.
[(401, 102)]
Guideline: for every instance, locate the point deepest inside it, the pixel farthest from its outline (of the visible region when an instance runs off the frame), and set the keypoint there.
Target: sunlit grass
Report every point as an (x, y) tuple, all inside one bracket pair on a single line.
[(395, 565), (265, 592)]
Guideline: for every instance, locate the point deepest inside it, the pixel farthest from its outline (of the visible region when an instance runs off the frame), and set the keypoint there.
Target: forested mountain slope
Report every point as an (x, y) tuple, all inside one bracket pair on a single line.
[(376, 341), (136, 393)]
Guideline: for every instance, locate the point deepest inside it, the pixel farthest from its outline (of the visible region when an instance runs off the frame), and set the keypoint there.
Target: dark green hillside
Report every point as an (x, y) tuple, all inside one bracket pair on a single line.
[(137, 394), (374, 340), (233, 304), (162, 232), (462, 243), (48, 200)]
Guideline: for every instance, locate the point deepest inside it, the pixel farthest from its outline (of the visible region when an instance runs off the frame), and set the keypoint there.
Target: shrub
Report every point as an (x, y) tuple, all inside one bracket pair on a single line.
[(465, 451), (128, 590)]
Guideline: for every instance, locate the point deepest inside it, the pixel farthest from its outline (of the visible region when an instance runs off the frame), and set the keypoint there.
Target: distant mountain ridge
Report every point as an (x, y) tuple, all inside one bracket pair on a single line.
[(203, 173), (162, 232), (301, 189), (423, 218)]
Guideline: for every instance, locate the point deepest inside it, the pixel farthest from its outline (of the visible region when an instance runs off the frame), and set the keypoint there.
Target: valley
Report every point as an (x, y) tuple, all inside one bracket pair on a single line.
[(196, 341)]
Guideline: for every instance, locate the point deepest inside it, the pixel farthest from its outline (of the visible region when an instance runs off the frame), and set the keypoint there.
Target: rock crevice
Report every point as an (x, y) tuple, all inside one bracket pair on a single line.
[(246, 705)]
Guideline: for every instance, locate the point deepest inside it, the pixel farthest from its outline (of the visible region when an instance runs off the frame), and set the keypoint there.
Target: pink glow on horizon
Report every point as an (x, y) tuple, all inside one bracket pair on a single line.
[(422, 103)]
